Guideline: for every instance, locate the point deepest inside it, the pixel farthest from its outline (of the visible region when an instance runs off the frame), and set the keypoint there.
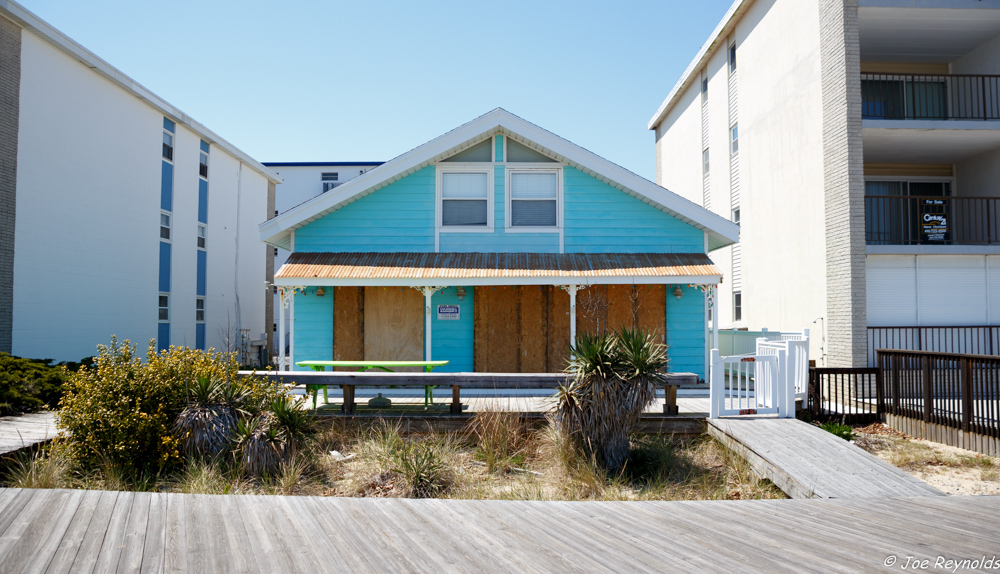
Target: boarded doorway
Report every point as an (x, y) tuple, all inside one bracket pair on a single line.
[(393, 324)]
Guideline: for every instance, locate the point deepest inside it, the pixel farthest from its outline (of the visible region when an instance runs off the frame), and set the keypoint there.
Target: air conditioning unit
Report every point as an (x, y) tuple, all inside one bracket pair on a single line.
[(328, 185)]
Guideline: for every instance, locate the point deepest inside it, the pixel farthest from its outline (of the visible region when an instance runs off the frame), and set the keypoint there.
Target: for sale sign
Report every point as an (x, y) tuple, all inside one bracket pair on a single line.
[(934, 220)]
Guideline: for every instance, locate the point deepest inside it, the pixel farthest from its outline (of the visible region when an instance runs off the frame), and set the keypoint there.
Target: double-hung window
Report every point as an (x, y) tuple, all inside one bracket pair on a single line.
[(203, 165), (465, 198), (199, 309), (734, 139), (201, 237), (534, 198), (168, 145), (164, 307), (164, 225)]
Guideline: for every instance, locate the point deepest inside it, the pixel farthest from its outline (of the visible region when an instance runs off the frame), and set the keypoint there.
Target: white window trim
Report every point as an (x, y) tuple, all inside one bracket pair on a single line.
[(533, 168), (482, 167), (167, 295), (170, 227), (736, 152), (197, 237), (208, 162), (173, 146), (202, 299), (729, 59)]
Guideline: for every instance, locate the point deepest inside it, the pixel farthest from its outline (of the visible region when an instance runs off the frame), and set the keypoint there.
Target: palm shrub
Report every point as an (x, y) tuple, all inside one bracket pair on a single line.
[(614, 379), (205, 427), (266, 441)]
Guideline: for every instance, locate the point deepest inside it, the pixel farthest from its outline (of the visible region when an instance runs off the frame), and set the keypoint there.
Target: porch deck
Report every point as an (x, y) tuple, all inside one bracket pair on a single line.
[(808, 462), (26, 430), (95, 531)]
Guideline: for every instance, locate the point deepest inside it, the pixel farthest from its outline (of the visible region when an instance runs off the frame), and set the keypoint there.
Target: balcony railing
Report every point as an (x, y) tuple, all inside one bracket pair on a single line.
[(931, 220), (930, 97)]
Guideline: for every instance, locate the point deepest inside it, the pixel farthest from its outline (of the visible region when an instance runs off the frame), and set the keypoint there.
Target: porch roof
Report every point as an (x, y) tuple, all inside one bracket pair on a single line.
[(469, 269)]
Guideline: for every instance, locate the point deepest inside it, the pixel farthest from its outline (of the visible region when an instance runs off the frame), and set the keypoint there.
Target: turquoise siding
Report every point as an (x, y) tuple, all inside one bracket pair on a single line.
[(601, 219), (398, 217), (313, 327), (452, 340), (499, 148), (499, 200), (500, 242), (686, 331)]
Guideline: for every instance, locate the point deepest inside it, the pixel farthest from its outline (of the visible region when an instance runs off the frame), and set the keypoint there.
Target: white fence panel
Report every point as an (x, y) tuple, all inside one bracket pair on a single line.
[(747, 385)]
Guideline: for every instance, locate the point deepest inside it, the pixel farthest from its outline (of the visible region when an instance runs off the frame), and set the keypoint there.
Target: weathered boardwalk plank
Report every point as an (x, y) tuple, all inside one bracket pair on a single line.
[(26, 430), (94, 531), (808, 462)]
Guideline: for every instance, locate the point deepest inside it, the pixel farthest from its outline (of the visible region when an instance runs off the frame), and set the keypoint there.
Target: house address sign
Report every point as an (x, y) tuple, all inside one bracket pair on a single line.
[(449, 312)]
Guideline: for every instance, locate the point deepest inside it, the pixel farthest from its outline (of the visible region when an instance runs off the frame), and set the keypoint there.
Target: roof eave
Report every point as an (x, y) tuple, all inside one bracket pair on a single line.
[(724, 27), (71, 48), (497, 281)]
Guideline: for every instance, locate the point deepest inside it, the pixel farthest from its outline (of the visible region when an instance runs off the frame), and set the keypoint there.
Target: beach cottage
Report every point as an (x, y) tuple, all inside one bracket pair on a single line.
[(491, 247)]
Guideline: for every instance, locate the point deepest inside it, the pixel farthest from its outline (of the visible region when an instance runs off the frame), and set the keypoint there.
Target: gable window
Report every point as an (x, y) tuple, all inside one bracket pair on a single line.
[(734, 138), (534, 198), (330, 180), (465, 198), (164, 226), (732, 58), (168, 145)]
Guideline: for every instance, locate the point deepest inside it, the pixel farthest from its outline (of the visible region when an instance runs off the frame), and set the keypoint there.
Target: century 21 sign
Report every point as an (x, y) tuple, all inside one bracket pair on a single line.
[(934, 220)]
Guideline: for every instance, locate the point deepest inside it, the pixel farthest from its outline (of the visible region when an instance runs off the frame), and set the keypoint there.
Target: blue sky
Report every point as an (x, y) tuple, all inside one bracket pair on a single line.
[(364, 81)]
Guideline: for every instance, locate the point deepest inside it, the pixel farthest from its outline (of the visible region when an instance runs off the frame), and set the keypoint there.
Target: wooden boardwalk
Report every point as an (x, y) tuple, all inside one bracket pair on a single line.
[(95, 531), (808, 462), (26, 430)]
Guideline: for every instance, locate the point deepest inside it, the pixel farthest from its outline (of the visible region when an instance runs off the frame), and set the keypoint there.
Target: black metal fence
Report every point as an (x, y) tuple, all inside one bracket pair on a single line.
[(848, 395), (930, 220), (954, 390), (965, 339), (930, 97)]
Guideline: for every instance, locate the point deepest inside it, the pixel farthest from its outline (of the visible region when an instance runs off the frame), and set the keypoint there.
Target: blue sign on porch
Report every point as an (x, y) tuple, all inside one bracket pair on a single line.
[(449, 313)]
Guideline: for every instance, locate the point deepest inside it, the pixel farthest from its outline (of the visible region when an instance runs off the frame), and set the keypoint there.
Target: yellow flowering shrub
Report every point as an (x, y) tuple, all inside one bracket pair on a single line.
[(122, 409)]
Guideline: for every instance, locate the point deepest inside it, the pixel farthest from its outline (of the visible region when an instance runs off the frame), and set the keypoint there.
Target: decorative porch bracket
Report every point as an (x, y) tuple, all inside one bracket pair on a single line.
[(572, 289)]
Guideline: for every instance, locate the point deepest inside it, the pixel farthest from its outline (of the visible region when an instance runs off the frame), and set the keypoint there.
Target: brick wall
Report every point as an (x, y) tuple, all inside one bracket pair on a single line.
[(10, 86), (843, 165)]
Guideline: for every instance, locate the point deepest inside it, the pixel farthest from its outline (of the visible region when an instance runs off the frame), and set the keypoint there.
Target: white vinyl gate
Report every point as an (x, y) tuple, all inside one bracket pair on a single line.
[(766, 382)]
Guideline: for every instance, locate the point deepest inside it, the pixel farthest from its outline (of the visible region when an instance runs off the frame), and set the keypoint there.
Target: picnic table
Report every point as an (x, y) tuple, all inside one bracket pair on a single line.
[(386, 366)]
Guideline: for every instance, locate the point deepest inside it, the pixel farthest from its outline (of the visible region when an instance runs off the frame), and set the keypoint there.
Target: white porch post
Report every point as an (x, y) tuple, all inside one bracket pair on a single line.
[(282, 305), (572, 289), (291, 332), (715, 317), (428, 294)]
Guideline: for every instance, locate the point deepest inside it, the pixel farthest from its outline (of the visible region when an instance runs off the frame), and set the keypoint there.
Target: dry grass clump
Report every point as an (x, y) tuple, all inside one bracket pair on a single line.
[(42, 468), (503, 439), (909, 454)]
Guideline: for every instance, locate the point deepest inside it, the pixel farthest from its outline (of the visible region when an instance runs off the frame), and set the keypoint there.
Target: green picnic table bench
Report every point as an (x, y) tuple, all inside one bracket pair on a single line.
[(386, 366)]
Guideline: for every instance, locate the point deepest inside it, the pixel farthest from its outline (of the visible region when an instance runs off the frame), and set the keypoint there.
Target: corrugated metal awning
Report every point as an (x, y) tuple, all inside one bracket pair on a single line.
[(442, 269)]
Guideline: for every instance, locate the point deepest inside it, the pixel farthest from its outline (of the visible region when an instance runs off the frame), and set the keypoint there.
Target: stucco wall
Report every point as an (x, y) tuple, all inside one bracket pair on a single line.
[(10, 85), (983, 60), (88, 213)]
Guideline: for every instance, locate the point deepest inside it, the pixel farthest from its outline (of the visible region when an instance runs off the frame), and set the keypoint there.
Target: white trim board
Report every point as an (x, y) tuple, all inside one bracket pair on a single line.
[(497, 281), (721, 231)]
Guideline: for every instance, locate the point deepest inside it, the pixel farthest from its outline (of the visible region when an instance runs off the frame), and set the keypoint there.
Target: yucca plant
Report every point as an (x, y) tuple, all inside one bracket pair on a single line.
[(205, 427), (614, 379), (424, 473), (260, 446), (293, 421)]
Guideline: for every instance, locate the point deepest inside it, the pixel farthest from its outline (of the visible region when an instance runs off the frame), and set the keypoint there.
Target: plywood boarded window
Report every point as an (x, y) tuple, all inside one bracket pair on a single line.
[(348, 324), (393, 324), (526, 329)]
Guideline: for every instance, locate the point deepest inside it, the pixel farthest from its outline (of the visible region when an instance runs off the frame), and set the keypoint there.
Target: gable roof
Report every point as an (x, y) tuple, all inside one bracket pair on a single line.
[(721, 232)]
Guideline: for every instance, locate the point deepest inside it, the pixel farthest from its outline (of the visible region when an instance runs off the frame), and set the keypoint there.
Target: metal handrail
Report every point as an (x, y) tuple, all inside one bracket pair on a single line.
[(930, 96), (903, 220)]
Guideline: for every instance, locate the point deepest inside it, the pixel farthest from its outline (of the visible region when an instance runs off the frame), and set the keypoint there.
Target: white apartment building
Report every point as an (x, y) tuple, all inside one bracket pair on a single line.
[(302, 181), (119, 214), (857, 143)]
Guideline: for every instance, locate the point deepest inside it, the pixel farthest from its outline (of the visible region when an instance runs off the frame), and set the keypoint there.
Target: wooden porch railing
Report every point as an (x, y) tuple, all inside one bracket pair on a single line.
[(848, 395), (954, 390)]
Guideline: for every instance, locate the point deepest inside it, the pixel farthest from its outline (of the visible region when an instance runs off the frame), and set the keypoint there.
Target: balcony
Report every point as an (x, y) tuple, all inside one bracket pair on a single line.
[(932, 220), (930, 97)]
